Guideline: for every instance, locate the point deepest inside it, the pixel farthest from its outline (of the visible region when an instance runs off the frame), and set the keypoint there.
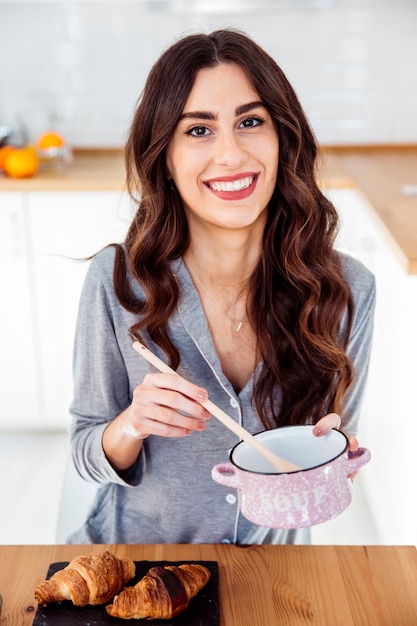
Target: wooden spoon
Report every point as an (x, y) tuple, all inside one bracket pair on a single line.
[(280, 465)]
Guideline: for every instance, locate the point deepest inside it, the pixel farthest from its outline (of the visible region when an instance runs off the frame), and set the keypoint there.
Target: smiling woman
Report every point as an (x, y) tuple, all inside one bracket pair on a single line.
[(229, 273)]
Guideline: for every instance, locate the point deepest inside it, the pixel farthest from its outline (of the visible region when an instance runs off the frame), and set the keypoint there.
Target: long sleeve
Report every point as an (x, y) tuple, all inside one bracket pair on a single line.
[(363, 289), (102, 389)]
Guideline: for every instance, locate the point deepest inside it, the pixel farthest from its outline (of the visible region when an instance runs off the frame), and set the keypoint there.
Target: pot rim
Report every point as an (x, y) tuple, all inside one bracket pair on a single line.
[(305, 469)]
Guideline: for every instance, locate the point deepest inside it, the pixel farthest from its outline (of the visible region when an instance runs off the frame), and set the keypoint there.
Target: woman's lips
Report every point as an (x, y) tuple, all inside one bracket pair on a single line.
[(233, 188)]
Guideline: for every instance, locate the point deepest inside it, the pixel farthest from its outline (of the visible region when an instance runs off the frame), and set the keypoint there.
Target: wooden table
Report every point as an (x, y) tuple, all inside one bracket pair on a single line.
[(259, 585)]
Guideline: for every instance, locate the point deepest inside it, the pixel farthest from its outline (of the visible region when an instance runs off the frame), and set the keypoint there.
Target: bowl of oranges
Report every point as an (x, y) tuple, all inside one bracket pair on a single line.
[(50, 151)]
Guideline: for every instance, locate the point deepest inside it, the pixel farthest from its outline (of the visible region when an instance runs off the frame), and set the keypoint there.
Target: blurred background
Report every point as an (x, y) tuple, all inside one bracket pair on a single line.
[(77, 69), (80, 66)]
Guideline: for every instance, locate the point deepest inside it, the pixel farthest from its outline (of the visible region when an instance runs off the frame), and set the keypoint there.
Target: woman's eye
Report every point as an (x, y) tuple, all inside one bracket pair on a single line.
[(198, 131), (251, 122)]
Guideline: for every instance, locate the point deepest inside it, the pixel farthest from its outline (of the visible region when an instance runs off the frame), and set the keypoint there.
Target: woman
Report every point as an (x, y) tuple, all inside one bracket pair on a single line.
[(228, 272)]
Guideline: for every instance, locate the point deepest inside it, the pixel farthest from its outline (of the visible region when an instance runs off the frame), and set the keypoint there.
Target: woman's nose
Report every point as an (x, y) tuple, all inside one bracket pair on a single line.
[(230, 151)]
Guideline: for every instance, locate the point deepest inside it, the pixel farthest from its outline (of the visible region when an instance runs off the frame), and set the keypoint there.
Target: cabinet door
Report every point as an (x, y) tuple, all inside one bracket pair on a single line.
[(66, 227), (19, 383), (388, 423)]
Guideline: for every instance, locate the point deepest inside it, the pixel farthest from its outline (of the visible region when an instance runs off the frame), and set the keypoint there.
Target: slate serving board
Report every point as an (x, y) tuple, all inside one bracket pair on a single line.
[(204, 609)]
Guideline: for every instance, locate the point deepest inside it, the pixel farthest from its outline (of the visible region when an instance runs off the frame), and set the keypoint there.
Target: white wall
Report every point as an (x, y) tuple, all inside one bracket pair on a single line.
[(81, 65)]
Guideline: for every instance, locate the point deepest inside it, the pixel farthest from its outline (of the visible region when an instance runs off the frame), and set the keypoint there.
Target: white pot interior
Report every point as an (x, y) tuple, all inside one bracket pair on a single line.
[(296, 444)]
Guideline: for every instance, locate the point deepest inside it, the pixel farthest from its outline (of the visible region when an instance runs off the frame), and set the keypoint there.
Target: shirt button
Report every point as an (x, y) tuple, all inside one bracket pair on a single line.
[(233, 403), (225, 541), (230, 498)]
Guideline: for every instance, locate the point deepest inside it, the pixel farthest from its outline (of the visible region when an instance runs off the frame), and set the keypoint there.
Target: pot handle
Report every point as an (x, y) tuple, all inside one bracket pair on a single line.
[(225, 474), (356, 459)]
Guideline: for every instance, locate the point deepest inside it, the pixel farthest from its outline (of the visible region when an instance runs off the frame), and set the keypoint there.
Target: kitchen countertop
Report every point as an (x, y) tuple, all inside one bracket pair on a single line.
[(379, 172), (384, 175), (90, 170)]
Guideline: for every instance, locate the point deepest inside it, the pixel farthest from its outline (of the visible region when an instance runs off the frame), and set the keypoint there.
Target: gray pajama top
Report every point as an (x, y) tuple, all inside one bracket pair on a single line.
[(168, 496)]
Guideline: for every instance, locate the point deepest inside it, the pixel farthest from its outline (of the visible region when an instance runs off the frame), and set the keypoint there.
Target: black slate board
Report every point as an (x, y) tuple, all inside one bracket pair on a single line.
[(204, 609)]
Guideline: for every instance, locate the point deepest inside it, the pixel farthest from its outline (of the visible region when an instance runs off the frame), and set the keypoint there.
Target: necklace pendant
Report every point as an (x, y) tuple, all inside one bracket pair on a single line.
[(238, 327)]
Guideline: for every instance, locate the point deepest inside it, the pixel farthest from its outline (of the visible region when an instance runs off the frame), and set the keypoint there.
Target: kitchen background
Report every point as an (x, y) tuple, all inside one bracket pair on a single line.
[(79, 67)]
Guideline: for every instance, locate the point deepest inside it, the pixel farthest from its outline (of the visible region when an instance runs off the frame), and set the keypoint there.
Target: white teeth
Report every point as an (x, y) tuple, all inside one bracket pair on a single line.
[(236, 185)]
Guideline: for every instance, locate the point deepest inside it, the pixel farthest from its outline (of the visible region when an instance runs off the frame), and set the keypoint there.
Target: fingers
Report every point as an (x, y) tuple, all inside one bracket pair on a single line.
[(176, 383), (352, 447), (353, 443), (326, 423), (333, 420), (167, 405)]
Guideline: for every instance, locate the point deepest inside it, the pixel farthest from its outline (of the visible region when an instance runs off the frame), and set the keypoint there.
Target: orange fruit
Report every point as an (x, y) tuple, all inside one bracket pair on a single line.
[(4, 151), (50, 139), (21, 163)]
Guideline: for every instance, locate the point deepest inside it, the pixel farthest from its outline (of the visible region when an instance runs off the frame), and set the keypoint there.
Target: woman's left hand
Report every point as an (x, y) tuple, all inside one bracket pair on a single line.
[(326, 423), (333, 420), (353, 446)]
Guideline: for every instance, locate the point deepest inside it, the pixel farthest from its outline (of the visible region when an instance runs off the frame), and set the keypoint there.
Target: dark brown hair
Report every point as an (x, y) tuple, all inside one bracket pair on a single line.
[(298, 295)]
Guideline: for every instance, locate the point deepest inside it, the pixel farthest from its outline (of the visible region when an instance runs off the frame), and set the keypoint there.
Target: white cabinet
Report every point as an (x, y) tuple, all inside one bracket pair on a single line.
[(46, 234), (66, 228), (389, 417), (19, 396)]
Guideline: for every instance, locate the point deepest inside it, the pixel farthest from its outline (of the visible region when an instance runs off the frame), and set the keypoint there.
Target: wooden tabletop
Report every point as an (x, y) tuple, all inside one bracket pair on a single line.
[(259, 585)]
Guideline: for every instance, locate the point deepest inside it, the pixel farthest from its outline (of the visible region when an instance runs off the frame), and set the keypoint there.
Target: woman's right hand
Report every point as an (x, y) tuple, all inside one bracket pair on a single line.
[(166, 405)]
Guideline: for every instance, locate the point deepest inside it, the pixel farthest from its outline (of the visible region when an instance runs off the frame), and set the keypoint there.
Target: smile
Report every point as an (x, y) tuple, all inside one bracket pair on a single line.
[(231, 185)]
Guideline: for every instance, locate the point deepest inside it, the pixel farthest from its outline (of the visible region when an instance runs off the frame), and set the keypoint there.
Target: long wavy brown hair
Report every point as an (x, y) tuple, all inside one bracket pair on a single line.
[(298, 294)]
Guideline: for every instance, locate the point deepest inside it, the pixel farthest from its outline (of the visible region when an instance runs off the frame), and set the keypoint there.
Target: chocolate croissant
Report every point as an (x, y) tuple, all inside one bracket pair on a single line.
[(162, 594), (88, 579)]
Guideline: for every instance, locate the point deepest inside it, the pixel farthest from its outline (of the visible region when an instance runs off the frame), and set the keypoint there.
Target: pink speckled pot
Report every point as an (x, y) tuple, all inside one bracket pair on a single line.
[(314, 494)]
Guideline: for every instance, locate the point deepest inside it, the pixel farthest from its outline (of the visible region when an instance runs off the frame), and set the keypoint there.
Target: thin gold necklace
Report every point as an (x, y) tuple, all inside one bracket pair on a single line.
[(237, 326)]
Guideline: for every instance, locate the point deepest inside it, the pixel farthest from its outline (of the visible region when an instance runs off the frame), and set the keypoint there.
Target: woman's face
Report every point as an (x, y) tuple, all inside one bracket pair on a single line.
[(223, 156)]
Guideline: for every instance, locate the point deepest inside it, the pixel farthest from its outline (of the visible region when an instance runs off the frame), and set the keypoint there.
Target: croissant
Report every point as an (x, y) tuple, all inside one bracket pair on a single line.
[(162, 594), (88, 579)]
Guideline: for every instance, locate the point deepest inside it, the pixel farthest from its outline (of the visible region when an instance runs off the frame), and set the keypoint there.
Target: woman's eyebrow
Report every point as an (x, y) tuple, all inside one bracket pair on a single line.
[(198, 115), (207, 115), (245, 108)]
